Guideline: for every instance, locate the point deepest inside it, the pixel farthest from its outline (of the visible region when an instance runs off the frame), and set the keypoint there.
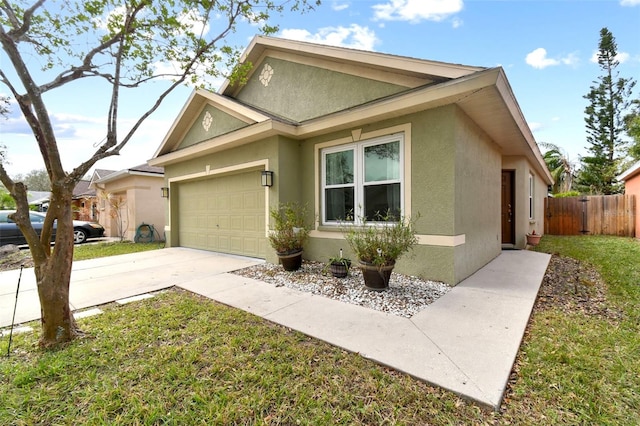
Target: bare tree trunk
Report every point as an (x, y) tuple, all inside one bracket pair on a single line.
[(53, 276)]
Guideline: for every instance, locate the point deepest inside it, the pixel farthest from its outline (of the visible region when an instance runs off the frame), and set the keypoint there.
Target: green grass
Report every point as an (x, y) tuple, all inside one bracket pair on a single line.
[(577, 368), (92, 251), (182, 359)]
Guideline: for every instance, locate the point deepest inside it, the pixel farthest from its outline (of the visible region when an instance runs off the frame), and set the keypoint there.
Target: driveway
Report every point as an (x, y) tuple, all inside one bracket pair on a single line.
[(98, 281)]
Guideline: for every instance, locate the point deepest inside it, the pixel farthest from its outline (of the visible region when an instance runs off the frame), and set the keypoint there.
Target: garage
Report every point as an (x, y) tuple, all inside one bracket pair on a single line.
[(225, 214)]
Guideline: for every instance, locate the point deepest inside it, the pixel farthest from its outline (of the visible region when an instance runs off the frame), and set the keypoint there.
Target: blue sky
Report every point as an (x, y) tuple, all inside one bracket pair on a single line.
[(545, 47)]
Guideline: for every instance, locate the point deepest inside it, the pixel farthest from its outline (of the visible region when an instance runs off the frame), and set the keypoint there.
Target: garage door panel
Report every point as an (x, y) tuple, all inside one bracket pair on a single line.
[(223, 214)]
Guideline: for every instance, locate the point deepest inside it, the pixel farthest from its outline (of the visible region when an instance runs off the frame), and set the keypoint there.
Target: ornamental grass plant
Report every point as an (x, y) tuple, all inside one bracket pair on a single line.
[(383, 241)]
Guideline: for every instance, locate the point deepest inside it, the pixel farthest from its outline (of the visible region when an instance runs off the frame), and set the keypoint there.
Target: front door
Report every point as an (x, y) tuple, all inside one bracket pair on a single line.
[(508, 207)]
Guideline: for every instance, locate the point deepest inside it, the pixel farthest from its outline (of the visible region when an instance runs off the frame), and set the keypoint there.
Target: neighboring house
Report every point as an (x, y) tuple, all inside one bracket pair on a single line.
[(84, 202), (343, 130), (128, 198), (39, 200), (631, 179)]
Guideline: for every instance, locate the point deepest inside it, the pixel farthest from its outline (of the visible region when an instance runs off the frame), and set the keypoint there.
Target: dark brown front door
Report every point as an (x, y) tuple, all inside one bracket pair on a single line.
[(508, 208)]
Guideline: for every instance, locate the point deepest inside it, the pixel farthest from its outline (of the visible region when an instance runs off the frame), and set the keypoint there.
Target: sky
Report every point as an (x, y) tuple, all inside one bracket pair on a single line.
[(546, 48)]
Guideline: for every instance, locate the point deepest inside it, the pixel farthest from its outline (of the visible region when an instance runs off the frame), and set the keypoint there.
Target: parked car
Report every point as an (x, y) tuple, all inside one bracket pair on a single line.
[(11, 234)]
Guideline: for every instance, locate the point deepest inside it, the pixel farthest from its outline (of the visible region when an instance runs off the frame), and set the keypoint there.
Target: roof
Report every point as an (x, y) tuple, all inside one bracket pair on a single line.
[(103, 176), (484, 94), (83, 189), (632, 171)]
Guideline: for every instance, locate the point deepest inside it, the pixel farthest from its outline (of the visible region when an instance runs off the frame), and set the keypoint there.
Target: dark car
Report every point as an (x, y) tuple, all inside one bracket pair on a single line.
[(11, 234)]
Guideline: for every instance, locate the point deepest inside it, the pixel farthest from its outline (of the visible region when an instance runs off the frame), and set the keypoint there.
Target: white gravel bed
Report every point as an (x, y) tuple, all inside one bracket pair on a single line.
[(406, 296)]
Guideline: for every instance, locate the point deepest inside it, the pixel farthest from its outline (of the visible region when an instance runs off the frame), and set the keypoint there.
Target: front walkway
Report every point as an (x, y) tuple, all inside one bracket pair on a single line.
[(466, 341)]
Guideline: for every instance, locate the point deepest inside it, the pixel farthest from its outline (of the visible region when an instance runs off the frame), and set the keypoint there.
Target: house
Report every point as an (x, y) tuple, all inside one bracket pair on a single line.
[(128, 198), (347, 131), (631, 179), (84, 202)]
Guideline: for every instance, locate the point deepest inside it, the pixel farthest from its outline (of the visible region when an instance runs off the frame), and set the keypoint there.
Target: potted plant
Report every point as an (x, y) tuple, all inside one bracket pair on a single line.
[(533, 239), (379, 244), (289, 233), (339, 266)]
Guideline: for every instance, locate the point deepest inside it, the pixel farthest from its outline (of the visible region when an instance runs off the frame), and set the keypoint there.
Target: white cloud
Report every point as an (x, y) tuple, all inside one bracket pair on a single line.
[(354, 36), (622, 57), (457, 22), (535, 126), (538, 59), (629, 2), (417, 10), (570, 59), (338, 7)]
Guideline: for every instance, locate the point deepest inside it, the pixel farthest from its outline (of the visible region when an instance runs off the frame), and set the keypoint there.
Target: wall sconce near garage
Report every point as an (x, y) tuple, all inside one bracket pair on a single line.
[(267, 178), (165, 192)]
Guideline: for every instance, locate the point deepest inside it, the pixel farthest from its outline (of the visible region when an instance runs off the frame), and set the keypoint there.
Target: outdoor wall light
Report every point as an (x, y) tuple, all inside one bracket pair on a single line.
[(165, 192), (267, 178)]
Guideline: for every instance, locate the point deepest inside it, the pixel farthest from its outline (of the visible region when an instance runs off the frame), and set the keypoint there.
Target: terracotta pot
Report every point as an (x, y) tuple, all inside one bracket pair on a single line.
[(291, 261), (533, 239), (376, 278)]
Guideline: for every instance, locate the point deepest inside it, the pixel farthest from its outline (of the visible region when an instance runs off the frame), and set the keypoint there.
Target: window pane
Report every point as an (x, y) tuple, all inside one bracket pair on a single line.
[(339, 168), (380, 200), (382, 162), (339, 204)]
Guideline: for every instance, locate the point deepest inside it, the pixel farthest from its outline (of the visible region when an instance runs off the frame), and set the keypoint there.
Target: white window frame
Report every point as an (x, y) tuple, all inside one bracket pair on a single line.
[(359, 174), (531, 196)]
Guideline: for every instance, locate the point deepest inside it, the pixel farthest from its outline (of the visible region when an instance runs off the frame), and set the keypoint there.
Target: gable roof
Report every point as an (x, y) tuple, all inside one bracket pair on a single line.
[(484, 94), (103, 176), (630, 172), (378, 66), (83, 189)]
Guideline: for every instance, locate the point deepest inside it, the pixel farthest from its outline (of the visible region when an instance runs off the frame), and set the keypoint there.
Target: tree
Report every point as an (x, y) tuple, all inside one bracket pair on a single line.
[(608, 99), (117, 44), (560, 166), (117, 210), (632, 126), (35, 180)]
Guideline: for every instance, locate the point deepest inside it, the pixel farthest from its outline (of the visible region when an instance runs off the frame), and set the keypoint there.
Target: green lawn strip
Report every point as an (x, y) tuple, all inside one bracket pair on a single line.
[(92, 251), (181, 359), (583, 369)]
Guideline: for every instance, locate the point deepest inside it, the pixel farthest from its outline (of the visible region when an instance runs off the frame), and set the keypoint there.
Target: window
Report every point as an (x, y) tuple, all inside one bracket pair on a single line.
[(531, 195), (362, 179)]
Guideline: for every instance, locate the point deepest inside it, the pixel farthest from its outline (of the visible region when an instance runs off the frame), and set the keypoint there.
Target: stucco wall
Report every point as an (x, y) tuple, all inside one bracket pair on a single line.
[(441, 140), (219, 123), (300, 92), (477, 197), (142, 203), (524, 224), (455, 187), (632, 187)]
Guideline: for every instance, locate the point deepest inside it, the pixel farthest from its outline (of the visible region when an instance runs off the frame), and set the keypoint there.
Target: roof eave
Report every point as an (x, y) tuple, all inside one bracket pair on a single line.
[(630, 172)]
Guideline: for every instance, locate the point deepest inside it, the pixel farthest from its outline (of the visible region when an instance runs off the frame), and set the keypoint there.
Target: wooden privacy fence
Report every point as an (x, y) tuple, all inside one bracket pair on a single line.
[(591, 215)]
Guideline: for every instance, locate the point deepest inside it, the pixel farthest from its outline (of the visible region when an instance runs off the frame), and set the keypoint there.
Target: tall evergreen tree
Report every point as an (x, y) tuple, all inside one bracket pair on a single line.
[(608, 99), (632, 126)]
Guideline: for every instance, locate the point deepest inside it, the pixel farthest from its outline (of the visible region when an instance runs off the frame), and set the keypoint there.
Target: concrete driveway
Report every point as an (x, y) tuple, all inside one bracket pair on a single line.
[(98, 281)]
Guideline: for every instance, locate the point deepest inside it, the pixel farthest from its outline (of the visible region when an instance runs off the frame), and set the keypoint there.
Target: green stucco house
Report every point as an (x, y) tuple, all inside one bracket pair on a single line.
[(345, 130)]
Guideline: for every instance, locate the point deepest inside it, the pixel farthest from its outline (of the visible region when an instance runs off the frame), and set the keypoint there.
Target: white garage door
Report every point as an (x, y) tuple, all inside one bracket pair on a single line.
[(225, 214)]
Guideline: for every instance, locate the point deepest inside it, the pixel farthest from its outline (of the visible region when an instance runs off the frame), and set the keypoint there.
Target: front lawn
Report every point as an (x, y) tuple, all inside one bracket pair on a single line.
[(180, 359)]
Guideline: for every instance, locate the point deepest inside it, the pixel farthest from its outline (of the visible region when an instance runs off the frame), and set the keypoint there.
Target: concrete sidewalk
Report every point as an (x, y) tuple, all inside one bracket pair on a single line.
[(466, 341)]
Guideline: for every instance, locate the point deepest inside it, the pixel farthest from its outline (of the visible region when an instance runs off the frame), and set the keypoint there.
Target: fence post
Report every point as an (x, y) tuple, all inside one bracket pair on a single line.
[(584, 229)]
